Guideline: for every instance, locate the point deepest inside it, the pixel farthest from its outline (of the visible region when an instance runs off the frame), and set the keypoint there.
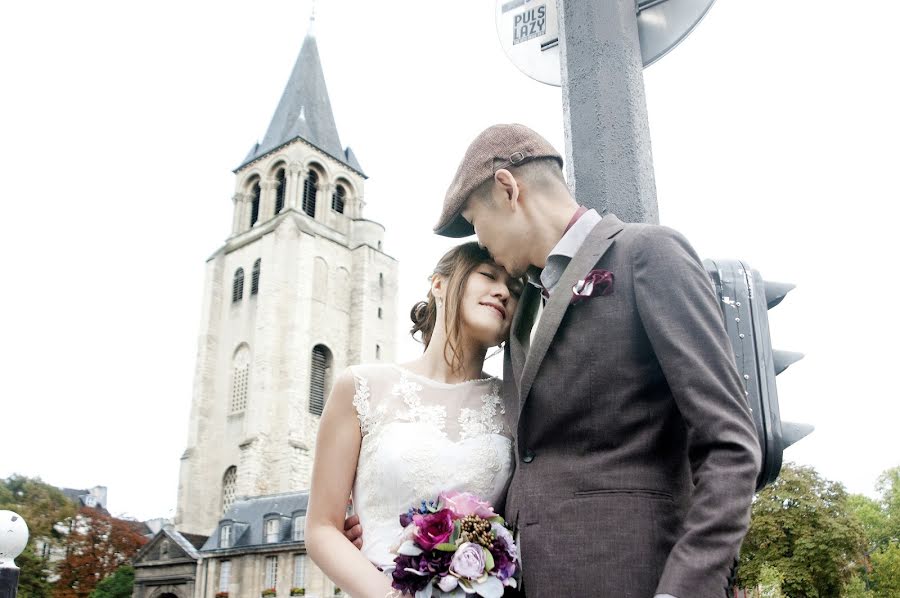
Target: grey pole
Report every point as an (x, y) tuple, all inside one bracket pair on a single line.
[(609, 164)]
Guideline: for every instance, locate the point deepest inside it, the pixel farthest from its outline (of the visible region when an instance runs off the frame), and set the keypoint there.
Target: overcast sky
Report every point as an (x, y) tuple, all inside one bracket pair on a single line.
[(774, 130)]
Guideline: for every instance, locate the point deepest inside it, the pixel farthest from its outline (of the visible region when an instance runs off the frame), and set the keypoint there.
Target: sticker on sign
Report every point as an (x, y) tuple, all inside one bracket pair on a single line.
[(529, 33)]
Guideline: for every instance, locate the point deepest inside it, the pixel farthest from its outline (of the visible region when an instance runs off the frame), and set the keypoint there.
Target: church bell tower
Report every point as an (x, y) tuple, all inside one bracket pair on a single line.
[(300, 290)]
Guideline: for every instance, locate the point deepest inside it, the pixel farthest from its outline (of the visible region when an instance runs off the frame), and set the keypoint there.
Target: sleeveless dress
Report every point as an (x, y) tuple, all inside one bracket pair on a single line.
[(421, 437)]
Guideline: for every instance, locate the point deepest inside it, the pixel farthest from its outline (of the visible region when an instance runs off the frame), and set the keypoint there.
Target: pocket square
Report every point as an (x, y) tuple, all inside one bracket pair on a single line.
[(597, 283)]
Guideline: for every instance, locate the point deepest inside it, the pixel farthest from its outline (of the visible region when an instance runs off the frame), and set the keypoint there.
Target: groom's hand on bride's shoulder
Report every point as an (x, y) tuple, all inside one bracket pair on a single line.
[(353, 530)]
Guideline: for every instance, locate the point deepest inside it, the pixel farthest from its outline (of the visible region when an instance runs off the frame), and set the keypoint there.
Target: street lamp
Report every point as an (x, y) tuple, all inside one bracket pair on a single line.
[(13, 538)]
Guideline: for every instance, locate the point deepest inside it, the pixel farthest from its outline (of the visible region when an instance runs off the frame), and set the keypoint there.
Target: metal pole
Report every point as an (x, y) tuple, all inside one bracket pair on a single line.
[(609, 164)]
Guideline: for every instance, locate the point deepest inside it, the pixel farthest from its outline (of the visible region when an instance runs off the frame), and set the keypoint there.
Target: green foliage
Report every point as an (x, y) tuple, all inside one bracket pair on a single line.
[(118, 585), (885, 574), (770, 581), (32, 575), (856, 588), (873, 519), (889, 487), (803, 527), (42, 506)]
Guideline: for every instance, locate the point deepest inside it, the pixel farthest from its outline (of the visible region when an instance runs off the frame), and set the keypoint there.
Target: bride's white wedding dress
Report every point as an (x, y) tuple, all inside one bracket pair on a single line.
[(421, 437)]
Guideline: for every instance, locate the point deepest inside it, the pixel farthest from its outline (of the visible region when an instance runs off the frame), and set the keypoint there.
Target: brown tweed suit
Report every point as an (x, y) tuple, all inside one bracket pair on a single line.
[(636, 455)]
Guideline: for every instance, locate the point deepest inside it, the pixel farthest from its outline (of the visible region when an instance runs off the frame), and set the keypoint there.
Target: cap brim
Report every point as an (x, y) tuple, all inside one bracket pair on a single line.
[(456, 228)]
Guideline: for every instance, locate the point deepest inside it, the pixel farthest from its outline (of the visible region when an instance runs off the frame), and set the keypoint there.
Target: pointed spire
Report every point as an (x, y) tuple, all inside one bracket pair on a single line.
[(304, 109)]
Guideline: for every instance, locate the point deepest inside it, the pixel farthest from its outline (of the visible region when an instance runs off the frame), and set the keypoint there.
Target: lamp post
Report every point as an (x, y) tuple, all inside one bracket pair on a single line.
[(13, 538)]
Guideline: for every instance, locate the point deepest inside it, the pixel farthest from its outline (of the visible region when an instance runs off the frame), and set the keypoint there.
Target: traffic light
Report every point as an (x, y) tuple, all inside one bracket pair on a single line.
[(745, 299)]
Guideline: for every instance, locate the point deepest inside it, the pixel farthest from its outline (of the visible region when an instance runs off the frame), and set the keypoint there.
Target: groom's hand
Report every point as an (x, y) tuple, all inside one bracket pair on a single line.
[(353, 530)]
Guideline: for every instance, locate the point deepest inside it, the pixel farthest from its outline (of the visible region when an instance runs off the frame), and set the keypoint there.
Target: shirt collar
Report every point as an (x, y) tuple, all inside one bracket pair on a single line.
[(583, 222)]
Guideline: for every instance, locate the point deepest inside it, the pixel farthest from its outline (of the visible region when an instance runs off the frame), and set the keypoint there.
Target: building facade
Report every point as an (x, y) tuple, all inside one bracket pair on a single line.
[(300, 290)]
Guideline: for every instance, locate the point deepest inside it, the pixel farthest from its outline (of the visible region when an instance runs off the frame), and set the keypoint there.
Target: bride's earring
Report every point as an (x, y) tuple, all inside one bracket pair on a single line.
[(440, 302)]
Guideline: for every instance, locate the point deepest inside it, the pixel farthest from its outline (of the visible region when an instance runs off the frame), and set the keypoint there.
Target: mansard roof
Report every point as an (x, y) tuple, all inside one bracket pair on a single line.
[(304, 112), (247, 516)]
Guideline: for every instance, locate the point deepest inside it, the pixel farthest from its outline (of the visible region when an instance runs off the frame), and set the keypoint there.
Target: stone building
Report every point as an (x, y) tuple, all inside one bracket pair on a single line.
[(166, 567), (300, 290)]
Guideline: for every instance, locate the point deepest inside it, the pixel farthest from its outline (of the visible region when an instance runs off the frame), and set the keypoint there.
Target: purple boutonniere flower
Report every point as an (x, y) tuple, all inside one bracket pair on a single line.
[(598, 283)]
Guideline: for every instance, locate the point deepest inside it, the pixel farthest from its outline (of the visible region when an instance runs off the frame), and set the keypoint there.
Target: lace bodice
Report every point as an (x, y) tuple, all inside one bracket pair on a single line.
[(421, 437)]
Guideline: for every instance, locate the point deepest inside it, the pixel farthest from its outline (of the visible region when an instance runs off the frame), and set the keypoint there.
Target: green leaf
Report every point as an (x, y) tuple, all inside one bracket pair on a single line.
[(488, 559), (446, 547)]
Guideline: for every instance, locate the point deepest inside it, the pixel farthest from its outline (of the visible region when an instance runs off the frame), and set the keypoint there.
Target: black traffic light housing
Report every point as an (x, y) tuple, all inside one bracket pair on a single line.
[(745, 299)]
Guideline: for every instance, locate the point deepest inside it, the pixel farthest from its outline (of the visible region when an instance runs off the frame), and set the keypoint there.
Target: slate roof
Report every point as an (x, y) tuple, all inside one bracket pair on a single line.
[(304, 111), (247, 516)]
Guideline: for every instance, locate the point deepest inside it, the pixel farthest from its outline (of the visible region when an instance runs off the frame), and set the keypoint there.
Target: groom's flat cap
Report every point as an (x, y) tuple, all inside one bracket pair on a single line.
[(499, 146)]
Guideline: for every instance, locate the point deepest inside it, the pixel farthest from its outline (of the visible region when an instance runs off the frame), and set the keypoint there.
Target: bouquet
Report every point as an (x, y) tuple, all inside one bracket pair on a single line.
[(455, 546)]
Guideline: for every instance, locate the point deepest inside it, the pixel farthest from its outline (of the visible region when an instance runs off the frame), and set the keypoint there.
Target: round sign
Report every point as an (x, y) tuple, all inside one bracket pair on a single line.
[(529, 31)]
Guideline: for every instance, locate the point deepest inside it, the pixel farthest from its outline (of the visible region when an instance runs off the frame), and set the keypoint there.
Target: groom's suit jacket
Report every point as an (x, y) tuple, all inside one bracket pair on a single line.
[(636, 456)]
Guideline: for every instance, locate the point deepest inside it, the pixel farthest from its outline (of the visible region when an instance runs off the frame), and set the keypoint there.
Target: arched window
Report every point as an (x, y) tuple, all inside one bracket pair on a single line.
[(337, 200), (254, 281), (377, 351), (237, 287), (319, 378), (254, 202), (280, 184), (229, 485), (240, 378), (309, 193)]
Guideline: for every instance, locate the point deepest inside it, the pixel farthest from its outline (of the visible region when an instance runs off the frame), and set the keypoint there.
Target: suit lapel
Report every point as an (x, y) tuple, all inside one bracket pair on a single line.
[(520, 335), (599, 240)]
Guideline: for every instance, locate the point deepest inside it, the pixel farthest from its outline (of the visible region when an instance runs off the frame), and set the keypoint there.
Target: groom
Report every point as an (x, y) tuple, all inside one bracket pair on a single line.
[(636, 456)]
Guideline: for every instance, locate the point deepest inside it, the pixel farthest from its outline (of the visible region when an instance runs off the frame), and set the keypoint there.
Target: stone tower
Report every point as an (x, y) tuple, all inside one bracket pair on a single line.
[(300, 290)]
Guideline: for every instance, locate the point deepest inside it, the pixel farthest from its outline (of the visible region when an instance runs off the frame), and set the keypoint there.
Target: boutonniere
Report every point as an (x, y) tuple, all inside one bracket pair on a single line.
[(597, 283)]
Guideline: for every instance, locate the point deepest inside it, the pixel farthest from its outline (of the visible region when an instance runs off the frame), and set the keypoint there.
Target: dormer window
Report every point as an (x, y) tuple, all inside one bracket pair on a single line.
[(273, 527), (225, 540), (299, 524)]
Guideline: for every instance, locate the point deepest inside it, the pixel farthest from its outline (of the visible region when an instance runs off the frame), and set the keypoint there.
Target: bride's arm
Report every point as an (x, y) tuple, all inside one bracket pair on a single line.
[(337, 452)]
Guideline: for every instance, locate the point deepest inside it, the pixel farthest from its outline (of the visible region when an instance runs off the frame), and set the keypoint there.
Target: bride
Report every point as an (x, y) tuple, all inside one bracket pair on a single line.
[(398, 434)]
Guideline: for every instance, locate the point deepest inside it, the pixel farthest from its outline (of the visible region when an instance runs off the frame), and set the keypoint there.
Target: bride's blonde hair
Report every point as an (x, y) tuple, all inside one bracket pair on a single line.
[(455, 268)]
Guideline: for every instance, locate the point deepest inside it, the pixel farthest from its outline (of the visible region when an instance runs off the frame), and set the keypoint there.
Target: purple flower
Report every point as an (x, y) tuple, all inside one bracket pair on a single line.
[(435, 563), (464, 504), (406, 519), (434, 529), (504, 565), (407, 575), (468, 561)]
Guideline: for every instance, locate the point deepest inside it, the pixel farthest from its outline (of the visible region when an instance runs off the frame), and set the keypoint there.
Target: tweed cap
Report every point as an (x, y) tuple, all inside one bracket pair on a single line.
[(499, 146)]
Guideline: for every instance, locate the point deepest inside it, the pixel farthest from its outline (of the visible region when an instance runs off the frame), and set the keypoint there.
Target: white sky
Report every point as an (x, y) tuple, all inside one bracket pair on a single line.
[(774, 130)]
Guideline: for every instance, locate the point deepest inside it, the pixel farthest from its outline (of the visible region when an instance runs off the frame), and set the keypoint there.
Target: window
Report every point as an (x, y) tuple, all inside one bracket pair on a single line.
[(237, 286), (164, 549), (225, 536), (377, 351), (224, 575), (254, 202), (273, 527), (299, 571), (379, 313), (271, 572), (229, 485), (280, 184), (319, 378), (240, 379), (309, 193), (337, 200), (254, 280), (299, 524)]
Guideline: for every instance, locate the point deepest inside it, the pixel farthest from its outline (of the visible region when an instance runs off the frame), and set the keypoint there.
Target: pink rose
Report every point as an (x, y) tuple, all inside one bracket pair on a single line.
[(433, 529), (464, 504)]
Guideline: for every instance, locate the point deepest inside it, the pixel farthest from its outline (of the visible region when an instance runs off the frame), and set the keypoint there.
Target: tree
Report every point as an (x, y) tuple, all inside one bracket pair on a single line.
[(802, 527), (96, 545), (885, 575), (889, 487), (42, 506), (873, 519), (118, 585)]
